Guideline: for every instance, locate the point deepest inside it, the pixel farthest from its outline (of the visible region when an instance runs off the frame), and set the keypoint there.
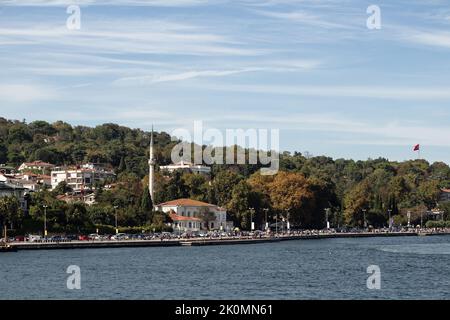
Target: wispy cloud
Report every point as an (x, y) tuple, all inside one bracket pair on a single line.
[(157, 3), (433, 38), (122, 36), (21, 93), (306, 18), (143, 80), (376, 92)]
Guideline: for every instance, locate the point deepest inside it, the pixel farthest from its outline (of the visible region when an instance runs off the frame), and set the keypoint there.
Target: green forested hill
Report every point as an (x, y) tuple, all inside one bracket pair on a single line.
[(60, 143), (302, 190)]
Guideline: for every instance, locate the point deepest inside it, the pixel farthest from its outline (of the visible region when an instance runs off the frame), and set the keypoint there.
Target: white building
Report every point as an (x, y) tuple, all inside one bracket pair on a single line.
[(36, 165), (32, 181), (80, 178), (186, 215), (7, 190), (88, 199), (186, 167)]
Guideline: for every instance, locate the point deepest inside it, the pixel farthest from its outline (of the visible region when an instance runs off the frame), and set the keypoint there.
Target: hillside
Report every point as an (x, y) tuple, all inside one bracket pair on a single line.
[(302, 191)]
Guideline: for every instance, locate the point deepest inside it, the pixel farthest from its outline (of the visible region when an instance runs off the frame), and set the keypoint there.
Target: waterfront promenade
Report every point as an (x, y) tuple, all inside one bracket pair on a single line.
[(54, 245)]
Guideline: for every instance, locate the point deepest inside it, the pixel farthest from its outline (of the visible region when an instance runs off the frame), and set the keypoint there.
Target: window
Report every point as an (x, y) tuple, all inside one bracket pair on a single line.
[(190, 225)]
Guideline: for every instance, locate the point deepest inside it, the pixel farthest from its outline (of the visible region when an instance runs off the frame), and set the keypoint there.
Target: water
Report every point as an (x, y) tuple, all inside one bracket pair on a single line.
[(411, 268)]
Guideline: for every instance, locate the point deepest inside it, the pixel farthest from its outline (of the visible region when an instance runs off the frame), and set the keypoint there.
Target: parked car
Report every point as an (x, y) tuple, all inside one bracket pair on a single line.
[(119, 236), (83, 238), (19, 238), (56, 238), (34, 238), (94, 236)]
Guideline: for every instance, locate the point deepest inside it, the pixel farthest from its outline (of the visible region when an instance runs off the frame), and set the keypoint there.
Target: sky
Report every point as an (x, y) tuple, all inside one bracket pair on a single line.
[(310, 68)]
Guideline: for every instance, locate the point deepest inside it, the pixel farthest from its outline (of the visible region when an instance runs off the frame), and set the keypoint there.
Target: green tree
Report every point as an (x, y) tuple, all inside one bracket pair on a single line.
[(10, 211)]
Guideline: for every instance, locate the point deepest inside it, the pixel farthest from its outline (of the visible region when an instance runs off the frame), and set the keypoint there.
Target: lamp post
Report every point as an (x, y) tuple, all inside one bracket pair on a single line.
[(364, 218), (421, 220), (276, 224), (252, 227), (266, 222), (45, 219), (389, 222), (409, 218), (327, 211), (115, 211)]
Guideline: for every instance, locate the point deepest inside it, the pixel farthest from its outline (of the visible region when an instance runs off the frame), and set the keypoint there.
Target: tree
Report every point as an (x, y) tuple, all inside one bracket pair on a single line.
[(207, 216), (292, 197), (429, 193), (146, 204), (196, 185), (10, 211), (76, 217), (240, 203), (62, 188), (223, 182), (355, 201)]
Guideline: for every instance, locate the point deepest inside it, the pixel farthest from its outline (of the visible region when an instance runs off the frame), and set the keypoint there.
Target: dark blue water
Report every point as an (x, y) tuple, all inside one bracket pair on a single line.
[(411, 268)]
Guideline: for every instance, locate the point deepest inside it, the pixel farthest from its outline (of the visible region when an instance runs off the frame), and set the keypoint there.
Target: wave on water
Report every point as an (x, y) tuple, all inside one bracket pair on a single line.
[(432, 248)]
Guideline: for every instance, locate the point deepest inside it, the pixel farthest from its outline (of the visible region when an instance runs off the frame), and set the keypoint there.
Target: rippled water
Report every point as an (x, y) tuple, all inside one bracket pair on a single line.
[(411, 268)]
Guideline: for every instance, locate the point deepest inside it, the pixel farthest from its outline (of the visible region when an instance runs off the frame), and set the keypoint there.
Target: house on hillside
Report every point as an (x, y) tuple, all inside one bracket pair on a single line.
[(37, 165), (80, 178), (86, 199), (7, 190), (184, 166), (186, 215)]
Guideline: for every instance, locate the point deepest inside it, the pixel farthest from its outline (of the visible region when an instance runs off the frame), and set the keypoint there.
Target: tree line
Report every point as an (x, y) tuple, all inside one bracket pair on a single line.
[(304, 190)]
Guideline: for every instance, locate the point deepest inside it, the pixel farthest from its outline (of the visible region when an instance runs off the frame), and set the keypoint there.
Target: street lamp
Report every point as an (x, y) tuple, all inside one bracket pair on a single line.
[(276, 224), (409, 218), (327, 211), (45, 219), (252, 227), (421, 220), (365, 223), (267, 223), (389, 222), (115, 211)]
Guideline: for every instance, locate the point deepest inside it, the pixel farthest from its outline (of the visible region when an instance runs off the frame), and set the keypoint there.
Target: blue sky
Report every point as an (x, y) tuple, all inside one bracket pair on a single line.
[(307, 67)]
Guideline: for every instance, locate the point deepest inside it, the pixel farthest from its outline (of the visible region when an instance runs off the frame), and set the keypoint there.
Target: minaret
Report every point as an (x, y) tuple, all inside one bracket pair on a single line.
[(151, 164)]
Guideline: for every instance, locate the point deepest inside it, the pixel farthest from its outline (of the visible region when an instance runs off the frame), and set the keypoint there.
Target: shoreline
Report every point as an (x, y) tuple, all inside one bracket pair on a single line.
[(98, 244)]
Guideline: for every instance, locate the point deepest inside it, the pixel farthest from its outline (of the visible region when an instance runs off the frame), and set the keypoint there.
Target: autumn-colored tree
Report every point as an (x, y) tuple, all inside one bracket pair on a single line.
[(355, 201), (291, 195)]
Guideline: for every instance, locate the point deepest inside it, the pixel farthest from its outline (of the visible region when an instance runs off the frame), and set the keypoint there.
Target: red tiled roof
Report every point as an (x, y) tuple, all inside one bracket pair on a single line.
[(39, 163), (28, 173), (186, 203), (445, 190), (176, 217)]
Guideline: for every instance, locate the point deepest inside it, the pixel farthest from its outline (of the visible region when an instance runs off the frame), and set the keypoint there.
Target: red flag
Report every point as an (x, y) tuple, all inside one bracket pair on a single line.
[(417, 147)]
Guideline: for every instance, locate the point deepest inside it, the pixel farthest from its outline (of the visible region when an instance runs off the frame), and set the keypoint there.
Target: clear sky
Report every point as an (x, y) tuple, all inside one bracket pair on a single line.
[(310, 68)]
